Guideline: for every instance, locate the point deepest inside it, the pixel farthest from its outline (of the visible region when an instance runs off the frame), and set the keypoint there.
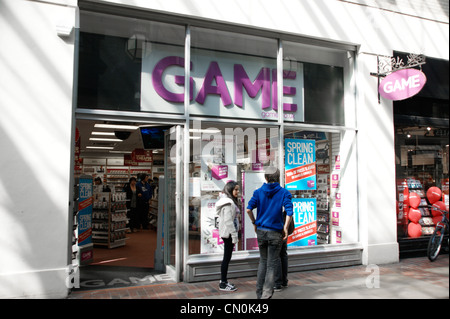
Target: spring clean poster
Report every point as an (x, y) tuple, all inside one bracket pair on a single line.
[(300, 164), (305, 221)]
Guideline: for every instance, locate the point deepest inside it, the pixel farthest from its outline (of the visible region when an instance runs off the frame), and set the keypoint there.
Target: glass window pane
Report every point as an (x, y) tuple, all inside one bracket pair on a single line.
[(233, 75), (320, 74), (114, 53), (422, 162), (222, 153)]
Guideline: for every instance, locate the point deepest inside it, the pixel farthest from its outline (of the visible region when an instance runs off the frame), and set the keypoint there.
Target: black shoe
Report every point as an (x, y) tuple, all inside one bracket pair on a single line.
[(277, 288)]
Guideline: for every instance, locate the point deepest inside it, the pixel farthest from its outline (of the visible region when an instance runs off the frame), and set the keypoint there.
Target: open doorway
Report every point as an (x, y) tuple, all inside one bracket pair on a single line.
[(125, 162)]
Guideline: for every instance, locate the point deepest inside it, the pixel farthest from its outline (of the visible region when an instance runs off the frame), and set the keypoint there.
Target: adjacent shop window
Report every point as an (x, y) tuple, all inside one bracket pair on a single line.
[(422, 162), (115, 55)]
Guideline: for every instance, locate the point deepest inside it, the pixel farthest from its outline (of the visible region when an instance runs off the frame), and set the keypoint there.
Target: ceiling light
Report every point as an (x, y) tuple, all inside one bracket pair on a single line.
[(121, 152), (117, 126), (103, 133), (104, 139), (100, 147)]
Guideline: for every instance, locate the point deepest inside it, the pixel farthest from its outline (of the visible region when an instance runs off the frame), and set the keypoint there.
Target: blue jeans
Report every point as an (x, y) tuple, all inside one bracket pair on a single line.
[(269, 243)]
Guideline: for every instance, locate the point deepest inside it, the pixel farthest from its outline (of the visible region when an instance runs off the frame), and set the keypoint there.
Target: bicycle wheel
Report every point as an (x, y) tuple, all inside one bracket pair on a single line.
[(434, 245)]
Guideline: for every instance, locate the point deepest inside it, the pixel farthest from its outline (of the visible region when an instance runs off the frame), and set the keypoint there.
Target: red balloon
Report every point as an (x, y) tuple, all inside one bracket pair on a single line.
[(434, 194), (414, 200), (414, 230), (414, 215), (439, 204), (436, 219)]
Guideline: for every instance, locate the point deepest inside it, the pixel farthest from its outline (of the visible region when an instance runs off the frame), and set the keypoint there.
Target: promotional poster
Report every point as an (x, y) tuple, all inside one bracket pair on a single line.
[(305, 220), (300, 163)]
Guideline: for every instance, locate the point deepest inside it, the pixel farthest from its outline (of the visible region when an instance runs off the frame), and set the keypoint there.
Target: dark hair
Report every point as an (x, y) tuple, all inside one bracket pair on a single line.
[(132, 178), (228, 190), (272, 175)]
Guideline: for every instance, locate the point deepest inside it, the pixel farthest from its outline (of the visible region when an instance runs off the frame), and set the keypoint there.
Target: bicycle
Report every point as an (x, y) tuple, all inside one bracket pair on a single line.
[(435, 242)]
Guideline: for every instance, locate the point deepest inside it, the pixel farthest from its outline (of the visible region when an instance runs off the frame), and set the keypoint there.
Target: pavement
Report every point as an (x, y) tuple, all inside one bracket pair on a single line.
[(410, 278)]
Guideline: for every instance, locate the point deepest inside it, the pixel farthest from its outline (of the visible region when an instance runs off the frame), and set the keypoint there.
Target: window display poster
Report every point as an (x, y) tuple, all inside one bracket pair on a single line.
[(210, 239), (215, 173), (85, 211), (305, 221), (300, 164), (251, 182)]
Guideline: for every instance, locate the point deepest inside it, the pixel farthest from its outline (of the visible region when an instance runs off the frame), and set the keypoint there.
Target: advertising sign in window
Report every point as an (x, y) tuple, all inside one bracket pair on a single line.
[(300, 164), (305, 220)]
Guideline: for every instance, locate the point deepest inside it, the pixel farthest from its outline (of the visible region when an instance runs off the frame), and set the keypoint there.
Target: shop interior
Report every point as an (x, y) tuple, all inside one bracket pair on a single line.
[(112, 153)]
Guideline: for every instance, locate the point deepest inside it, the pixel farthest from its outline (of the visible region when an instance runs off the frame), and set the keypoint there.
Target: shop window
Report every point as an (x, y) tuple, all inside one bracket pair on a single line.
[(233, 75), (116, 56), (314, 169), (221, 153), (322, 71), (314, 165), (422, 161)]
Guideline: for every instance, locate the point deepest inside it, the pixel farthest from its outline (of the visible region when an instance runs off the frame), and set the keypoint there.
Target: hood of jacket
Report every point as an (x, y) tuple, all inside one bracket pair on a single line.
[(223, 200), (271, 189)]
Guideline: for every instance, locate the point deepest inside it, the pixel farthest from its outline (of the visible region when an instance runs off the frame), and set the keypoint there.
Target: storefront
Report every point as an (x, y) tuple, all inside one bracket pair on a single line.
[(422, 155), (229, 127), (286, 85)]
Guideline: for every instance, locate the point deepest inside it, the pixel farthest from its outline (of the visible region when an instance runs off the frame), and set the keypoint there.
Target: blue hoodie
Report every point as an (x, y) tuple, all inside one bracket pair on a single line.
[(270, 199)]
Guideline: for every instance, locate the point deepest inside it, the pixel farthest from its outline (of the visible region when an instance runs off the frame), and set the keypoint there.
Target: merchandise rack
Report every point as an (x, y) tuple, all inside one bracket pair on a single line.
[(109, 219)]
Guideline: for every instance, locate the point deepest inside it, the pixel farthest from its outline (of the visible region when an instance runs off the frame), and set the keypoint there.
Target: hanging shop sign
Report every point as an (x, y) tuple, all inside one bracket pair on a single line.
[(221, 84), (402, 84)]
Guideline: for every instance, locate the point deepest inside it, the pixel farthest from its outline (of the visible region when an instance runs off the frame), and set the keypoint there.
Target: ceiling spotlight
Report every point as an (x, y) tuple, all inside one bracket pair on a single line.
[(105, 139), (116, 126)]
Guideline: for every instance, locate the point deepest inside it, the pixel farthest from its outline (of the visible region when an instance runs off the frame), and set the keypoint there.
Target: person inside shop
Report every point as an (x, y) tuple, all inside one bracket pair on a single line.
[(132, 212), (97, 181), (271, 228), (155, 186), (144, 192), (227, 209)]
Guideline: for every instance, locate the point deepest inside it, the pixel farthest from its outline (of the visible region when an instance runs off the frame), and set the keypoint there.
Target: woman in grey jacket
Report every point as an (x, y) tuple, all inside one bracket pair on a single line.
[(227, 208)]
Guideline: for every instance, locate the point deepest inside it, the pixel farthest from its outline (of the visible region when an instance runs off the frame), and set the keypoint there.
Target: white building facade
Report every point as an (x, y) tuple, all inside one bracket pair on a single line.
[(51, 47)]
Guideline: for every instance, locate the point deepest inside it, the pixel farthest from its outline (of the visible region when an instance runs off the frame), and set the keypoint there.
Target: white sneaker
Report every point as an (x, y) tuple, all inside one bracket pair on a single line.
[(226, 286)]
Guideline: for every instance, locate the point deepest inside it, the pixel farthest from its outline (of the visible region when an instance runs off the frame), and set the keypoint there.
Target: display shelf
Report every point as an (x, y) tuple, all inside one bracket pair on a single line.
[(426, 221), (109, 219)]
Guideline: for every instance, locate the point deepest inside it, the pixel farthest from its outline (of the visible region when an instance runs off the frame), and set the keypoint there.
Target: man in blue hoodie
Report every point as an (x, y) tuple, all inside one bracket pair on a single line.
[(271, 228)]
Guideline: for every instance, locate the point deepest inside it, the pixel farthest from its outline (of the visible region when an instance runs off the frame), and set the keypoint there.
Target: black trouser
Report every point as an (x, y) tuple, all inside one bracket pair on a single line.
[(143, 214), (227, 252), (282, 269), (133, 216)]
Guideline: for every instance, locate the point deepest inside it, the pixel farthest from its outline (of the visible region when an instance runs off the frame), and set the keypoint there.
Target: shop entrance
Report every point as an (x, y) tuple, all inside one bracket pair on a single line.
[(126, 163)]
